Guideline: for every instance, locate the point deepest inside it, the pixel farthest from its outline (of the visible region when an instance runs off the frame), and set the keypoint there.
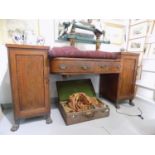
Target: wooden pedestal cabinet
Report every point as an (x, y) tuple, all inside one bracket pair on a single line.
[(117, 87), (29, 73)]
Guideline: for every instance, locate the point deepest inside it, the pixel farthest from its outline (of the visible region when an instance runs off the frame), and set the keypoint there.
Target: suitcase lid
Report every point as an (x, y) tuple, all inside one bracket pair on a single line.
[(67, 88)]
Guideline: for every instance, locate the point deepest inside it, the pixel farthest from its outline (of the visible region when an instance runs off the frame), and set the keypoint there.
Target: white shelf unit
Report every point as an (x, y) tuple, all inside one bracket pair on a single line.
[(147, 81), (145, 99), (145, 86), (150, 71)]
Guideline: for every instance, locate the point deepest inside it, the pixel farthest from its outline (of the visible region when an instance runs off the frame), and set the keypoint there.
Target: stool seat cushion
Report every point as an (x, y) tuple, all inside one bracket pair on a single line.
[(73, 52)]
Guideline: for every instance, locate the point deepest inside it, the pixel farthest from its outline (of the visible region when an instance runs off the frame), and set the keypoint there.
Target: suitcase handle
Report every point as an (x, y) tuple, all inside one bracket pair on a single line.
[(90, 114)]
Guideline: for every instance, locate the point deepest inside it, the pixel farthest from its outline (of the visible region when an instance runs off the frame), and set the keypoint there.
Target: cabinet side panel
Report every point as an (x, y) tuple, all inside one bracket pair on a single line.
[(127, 78)]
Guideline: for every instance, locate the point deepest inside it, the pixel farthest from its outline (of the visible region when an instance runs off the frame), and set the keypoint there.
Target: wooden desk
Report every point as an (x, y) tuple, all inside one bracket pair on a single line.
[(117, 76), (29, 73)]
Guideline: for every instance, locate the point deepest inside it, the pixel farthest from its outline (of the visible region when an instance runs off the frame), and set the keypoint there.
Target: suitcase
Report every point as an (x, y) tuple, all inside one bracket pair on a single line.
[(67, 88)]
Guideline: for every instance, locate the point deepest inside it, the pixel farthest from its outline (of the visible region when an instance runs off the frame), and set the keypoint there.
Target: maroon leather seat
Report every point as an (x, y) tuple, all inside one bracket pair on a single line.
[(73, 52)]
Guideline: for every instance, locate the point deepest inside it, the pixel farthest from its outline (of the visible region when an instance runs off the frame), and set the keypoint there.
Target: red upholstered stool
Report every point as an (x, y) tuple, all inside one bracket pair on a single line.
[(72, 52)]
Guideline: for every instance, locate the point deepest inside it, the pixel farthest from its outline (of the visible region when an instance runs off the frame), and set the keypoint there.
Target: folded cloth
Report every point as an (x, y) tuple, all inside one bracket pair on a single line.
[(73, 52)]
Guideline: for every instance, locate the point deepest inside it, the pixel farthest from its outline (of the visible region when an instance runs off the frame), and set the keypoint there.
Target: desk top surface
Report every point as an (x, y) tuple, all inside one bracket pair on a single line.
[(27, 46)]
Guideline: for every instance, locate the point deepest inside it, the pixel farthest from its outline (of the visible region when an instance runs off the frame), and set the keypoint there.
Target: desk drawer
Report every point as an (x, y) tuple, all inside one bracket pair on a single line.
[(108, 67), (72, 66), (84, 66)]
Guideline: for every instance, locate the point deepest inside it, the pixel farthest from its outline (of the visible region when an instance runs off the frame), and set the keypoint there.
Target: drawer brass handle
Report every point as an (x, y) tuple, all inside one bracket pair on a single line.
[(85, 67), (103, 66), (63, 66), (118, 66)]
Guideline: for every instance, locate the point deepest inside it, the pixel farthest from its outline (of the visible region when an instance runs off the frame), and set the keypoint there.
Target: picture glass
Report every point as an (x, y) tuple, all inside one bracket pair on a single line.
[(115, 33), (136, 21), (136, 45), (138, 31)]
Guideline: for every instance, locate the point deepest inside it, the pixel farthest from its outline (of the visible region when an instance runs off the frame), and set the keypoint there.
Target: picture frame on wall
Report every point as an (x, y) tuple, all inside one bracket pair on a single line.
[(137, 21), (60, 29), (151, 27), (138, 31), (115, 33), (146, 49), (136, 45), (151, 52)]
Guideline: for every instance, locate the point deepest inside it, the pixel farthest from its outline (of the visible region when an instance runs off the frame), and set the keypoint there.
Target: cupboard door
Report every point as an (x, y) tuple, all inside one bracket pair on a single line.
[(30, 82)]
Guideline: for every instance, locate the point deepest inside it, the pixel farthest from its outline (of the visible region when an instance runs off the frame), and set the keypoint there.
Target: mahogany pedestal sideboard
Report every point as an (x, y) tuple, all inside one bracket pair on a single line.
[(29, 73), (30, 67)]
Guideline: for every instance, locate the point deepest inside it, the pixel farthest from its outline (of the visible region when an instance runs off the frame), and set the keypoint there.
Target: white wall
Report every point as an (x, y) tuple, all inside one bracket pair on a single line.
[(5, 88), (46, 30)]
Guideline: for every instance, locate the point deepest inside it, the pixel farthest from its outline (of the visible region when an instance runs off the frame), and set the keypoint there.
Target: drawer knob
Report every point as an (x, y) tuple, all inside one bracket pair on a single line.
[(103, 66), (85, 67), (62, 66), (118, 66)]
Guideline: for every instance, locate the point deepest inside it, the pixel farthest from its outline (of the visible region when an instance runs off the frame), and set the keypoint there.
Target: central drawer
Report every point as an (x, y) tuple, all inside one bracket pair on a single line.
[(84, 66)]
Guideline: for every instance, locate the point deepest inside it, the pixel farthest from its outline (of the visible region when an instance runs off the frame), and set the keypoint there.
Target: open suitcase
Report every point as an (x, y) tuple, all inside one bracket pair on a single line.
[(67, 88)]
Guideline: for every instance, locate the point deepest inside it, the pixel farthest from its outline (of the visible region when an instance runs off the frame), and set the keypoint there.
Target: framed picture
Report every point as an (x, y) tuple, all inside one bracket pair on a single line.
[(115, 33), (151, 52), (137, 21), (64, 26), (136, 45), (146, 49), (139, 72), (151, 29), (139, 30)]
